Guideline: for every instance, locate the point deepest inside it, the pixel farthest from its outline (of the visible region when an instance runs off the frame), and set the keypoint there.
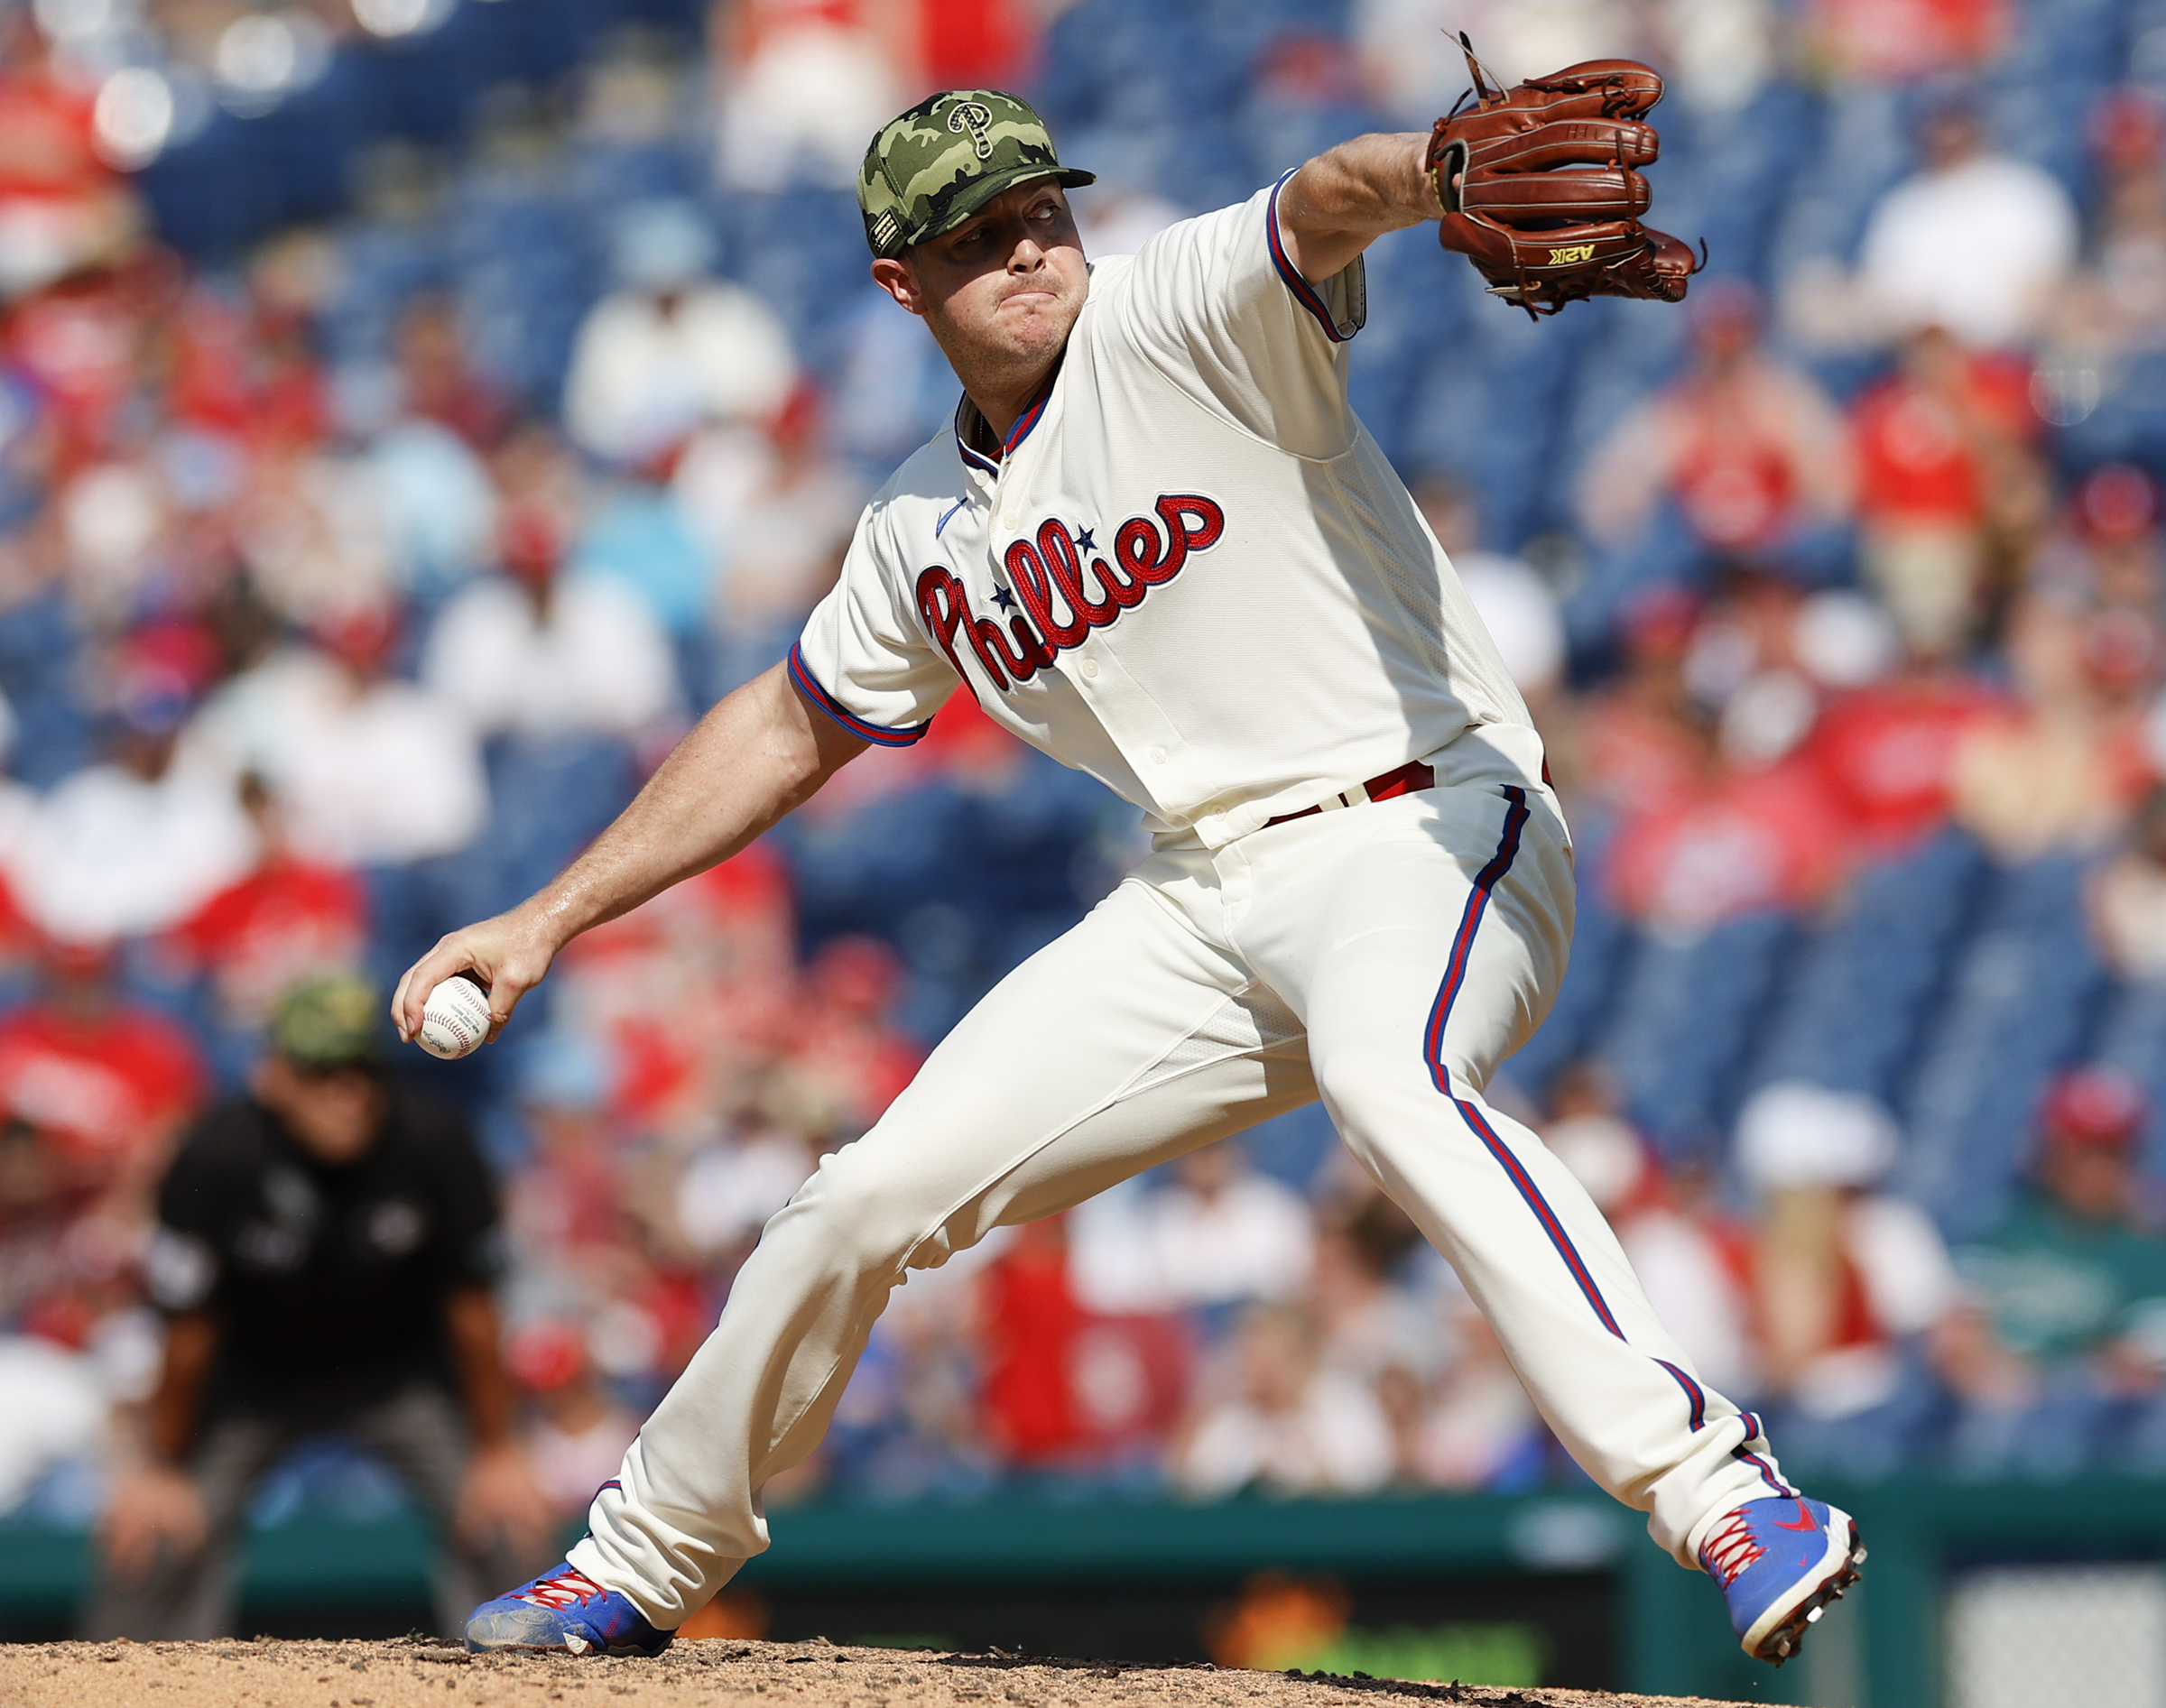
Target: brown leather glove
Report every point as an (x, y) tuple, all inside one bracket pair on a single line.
[(1538, 191)]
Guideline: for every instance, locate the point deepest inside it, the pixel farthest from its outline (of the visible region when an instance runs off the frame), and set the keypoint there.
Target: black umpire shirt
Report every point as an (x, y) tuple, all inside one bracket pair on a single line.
[(324, 1280)]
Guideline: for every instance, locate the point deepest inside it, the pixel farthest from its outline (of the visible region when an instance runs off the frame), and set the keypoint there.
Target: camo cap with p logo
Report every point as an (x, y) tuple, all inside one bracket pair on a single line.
[(932, 168)]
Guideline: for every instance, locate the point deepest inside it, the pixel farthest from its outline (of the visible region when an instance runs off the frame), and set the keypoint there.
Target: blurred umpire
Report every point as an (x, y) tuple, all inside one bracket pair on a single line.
[(323, 1259)]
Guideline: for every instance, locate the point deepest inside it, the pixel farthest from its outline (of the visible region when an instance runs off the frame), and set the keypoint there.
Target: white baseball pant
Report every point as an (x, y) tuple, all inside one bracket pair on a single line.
[(1386, 958)]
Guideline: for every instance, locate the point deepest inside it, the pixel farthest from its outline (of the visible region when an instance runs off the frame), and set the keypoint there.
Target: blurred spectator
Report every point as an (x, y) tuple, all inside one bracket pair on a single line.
[(1898, 41), (1948, 489), (139, 842), (776, 512), (893, 389), (435, 505), (2128, 897), (1635, 740), (2061, 1359), (1367, 1321), (324, 1259), (1517, 604), (288, 920), (1717, 55), (2116, 306), (1285, 1421), (730, 1187), (1225, 1230), (578, 1435), (1848, 1277), (1218, 1233), (56, 1409), (537, 652), (1742, 836), (693, 996), (848, 1062), (802, 84), (2061, 768), (671, 348), (2106, 552), (912, 1422), (105, 1081), (1410, 56), (1747, 447), (1032, 1323), (1477, 1428), (438, 380), (1694, 1259), (1885, 752), (567, 1211), (367, 768), (63, 206), (976, 44), (243, 368), (1976, 243)]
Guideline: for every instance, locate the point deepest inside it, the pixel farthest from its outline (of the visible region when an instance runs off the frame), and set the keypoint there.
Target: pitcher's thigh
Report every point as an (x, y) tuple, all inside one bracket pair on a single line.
[(1126, 1041), (1444, 945)]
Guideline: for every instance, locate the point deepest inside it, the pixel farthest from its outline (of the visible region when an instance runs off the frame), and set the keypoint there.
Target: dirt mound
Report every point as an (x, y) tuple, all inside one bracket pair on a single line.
[(422, 1673)]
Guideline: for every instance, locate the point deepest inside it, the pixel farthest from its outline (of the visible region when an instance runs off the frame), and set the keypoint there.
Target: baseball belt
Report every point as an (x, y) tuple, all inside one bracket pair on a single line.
[(1409, 779)]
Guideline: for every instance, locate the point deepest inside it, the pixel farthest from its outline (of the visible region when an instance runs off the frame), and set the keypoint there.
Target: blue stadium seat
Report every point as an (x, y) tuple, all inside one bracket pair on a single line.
[(1685, 1014), (1866, 978), (2020, 1003)]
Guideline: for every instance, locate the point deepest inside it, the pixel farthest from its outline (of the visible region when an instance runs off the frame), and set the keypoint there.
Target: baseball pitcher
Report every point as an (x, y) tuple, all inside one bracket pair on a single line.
[(1158, 545)]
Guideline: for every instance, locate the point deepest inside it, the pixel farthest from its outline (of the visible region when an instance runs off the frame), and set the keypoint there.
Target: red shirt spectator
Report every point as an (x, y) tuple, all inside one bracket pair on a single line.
[(1896, 40), (79, 343), (1031, 1322), (108, 1081), (1885, 752), (247, 374), (847, 1042), (62, 206), (974, 44), (1932, 439), (1749, 447), (285, 920), (1746, 840)]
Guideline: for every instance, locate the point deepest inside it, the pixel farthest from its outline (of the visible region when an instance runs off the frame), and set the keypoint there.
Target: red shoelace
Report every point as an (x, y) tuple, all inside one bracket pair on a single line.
[(1730, 1549), (562, 1589)]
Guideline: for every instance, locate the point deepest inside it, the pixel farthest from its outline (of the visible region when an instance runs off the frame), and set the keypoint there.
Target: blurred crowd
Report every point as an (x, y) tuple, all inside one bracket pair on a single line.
[(354, 571)]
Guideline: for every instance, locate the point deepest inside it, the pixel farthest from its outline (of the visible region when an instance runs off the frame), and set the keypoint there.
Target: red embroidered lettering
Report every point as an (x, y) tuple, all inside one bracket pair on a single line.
[(1027, 575), (1066, 569), (1148, 551)]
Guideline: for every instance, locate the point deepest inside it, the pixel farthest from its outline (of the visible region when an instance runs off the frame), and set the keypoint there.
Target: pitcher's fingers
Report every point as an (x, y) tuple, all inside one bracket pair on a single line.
[(503, 997), (422, 977)]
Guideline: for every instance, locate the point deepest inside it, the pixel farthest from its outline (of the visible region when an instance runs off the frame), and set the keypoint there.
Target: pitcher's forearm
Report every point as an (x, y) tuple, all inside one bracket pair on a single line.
[(1347, 197), (752, 758)]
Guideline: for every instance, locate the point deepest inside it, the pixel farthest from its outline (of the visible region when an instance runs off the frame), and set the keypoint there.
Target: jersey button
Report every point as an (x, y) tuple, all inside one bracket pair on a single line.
[(1090, 668), (1158, 755)]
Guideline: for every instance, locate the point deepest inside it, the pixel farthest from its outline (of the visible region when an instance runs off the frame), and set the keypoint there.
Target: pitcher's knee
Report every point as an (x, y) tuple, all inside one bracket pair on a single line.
[(860, 1210), (1365, 1081)]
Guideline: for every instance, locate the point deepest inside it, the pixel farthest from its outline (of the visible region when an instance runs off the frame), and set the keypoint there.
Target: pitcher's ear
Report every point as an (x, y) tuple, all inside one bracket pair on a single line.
[(900, 281)]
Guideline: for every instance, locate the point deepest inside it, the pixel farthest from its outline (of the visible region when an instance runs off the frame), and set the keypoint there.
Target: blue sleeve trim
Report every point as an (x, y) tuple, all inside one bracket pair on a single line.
[(1303, 291), (819, 697)]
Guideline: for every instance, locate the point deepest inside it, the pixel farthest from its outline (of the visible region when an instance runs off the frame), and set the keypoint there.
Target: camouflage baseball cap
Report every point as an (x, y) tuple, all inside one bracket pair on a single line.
[(333, 1021), (932, 168)]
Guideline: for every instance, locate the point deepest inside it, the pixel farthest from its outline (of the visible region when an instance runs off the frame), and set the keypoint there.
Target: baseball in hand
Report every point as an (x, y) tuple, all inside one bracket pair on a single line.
[(454, 1020)]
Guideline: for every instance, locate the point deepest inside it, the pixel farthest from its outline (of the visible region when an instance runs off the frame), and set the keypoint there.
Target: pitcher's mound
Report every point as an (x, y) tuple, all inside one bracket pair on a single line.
[(422, 1673)]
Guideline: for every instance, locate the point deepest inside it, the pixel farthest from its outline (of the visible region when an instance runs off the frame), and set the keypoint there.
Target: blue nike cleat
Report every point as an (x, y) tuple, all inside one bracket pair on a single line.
[(1779, 1561), (564, 1608)]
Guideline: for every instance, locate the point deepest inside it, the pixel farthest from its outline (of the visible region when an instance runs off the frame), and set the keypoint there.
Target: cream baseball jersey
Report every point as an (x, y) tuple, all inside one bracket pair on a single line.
[(1189, 571)]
